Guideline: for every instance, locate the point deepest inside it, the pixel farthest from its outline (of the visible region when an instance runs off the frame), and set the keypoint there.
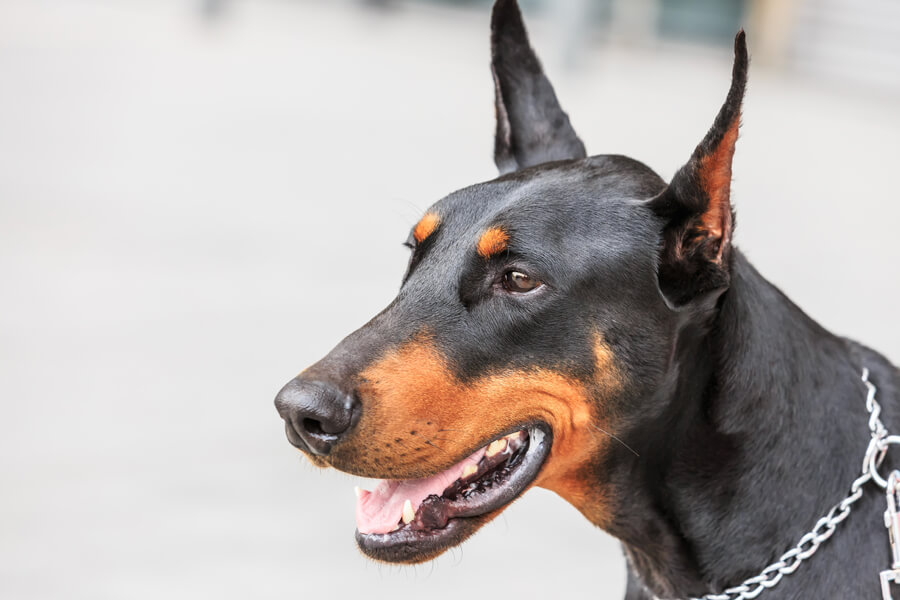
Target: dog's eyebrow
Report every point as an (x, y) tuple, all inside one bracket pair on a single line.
[(493, 241), (426, 226)]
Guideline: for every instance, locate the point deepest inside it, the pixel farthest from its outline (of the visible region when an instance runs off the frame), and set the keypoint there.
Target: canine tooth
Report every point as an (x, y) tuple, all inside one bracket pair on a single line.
[(496, 447), (408, 513), (469, 471), (358, 491)]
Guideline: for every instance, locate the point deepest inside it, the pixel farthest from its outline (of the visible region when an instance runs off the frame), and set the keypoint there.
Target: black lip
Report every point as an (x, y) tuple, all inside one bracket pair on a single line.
[(295, 440), (411, 546)]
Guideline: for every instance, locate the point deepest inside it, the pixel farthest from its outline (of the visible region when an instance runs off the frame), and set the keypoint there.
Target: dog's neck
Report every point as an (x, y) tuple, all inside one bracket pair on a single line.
[(733, 470)]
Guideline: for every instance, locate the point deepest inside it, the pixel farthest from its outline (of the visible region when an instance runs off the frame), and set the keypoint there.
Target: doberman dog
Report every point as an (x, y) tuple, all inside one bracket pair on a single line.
[(581, 325)]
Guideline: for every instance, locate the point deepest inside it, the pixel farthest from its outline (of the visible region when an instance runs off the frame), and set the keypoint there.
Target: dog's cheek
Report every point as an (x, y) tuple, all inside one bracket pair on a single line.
[(580, 488), (571, 469), (582, 441), (418, 418)]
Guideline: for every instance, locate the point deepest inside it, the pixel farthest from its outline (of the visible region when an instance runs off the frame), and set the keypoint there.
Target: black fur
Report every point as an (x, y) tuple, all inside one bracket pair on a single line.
[(531, 126), (748, 419)]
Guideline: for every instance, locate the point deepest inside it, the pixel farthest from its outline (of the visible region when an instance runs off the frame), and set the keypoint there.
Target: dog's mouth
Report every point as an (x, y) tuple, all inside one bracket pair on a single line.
[(415, 520)]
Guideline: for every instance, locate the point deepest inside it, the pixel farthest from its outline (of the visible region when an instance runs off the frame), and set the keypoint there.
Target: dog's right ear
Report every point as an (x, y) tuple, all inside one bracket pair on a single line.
[(696, 249), (531, 126)]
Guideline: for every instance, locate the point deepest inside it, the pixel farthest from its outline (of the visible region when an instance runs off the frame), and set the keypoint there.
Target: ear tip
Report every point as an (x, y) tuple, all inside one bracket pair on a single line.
[(509, 38), (741, 61), (741, 54), (501, 6), (506, 15)]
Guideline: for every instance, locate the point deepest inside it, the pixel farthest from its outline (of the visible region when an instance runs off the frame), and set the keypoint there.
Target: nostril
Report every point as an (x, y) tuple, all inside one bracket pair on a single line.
[(317, 414), (313, 426)]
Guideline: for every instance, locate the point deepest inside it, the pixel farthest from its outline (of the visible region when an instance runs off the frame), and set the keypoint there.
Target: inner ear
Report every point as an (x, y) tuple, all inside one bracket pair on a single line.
[(697, 203), (531, 126), (715, 179)]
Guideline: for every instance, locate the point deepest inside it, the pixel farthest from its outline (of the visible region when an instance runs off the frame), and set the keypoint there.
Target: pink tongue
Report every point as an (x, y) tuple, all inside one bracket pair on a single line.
[(379, 511)]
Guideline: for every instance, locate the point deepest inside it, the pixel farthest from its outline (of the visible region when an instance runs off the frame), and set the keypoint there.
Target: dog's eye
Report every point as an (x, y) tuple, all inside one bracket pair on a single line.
[(519, 282)]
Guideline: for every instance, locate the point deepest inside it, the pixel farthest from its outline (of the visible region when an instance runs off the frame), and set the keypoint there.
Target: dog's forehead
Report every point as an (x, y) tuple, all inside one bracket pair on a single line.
[(566, 195)]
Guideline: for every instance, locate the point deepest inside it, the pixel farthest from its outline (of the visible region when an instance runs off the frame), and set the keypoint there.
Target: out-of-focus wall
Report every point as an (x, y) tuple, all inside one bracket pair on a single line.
[(845, 41)]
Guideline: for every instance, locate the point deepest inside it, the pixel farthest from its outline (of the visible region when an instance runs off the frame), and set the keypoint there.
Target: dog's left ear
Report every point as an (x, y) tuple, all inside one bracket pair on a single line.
[(694, 260), (531, 126)]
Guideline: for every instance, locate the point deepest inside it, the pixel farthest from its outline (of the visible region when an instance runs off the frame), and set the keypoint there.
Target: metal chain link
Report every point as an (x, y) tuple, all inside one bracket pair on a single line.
[(791, 560)]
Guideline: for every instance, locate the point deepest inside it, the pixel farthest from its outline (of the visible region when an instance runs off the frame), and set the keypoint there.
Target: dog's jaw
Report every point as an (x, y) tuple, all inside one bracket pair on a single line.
[(414, 521)]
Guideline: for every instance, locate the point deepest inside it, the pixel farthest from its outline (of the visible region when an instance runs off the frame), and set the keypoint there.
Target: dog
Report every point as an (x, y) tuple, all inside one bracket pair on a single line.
[(581, 325)]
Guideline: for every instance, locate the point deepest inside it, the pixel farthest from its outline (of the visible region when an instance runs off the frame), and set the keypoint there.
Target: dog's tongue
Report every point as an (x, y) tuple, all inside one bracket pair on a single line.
[(380, 510)]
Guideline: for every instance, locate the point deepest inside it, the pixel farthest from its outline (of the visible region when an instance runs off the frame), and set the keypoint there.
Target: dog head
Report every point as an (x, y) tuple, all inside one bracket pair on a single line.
[(534, 326)]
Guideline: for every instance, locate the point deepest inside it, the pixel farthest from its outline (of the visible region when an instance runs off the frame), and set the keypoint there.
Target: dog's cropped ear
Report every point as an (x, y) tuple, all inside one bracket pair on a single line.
[(531, 126), (694, 260)]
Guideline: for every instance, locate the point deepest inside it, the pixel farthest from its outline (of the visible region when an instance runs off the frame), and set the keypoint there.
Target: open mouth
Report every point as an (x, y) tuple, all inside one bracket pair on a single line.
[(415, 520)]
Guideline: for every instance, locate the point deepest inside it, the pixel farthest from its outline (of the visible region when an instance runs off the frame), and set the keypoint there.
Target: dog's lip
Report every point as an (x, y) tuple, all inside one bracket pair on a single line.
[(414, 543)]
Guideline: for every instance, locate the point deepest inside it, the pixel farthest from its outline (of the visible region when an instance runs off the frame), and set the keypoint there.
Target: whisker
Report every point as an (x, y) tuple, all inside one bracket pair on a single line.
[(434, 445), (601, 430)]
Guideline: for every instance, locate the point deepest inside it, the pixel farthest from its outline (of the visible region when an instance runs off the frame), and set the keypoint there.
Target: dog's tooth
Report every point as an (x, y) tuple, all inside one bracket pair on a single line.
[(358, 491), (496, 447), (469, 470), (408, 513)]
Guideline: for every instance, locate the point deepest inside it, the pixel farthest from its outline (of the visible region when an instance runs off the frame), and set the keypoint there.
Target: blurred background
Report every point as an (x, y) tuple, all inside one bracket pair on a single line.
[(200, 198)]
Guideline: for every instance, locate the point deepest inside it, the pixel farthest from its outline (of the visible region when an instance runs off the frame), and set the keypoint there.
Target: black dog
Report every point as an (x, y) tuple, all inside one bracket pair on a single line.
[(579, 324)]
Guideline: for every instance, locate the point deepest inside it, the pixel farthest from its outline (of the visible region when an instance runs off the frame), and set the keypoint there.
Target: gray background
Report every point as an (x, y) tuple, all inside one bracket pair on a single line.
[(192, 211)]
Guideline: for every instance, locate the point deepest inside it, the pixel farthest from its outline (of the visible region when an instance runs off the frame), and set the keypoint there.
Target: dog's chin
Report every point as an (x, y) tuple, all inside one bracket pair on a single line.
[(413, 547), (450, 506)]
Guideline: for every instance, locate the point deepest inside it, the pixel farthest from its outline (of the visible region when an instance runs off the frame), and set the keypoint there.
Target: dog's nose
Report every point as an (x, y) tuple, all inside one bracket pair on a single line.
[(316, 414)]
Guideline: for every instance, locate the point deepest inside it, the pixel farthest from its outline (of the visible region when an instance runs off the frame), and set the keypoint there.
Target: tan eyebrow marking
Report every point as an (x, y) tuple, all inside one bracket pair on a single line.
[(426, 226), (492, 241)]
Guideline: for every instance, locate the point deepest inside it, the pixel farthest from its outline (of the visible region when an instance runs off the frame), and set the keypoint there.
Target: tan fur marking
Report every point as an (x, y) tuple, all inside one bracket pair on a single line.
[(493, 241), (412, 396), (715, 178), (425, 227)]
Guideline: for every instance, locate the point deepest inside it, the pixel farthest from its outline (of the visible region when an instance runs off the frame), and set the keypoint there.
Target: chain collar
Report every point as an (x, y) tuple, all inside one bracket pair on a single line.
[(791, 560)]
